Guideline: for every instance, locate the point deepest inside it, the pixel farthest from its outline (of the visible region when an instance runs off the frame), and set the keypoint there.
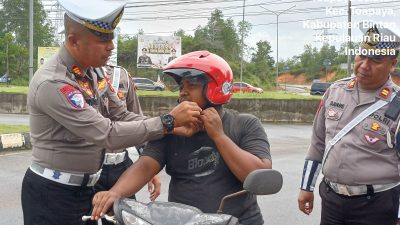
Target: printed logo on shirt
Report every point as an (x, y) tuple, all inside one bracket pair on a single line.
[(73, 96), (371, 139), (203, 161)]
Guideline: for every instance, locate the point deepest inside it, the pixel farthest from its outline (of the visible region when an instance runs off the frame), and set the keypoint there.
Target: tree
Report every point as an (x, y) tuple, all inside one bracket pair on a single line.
[(261, 65), (14, 19), (127, 53)]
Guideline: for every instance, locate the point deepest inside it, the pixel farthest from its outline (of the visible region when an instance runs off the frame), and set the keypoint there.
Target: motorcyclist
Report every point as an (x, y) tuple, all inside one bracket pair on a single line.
[(212, 163)]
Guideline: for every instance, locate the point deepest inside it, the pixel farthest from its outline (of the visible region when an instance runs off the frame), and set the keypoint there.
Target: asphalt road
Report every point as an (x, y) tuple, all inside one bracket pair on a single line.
[(289, 143)]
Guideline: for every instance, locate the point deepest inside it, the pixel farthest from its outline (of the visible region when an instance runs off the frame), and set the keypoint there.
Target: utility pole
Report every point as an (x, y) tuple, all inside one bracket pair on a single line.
[(277, 37), (242, 46), (349, 34), (7, 62), (30, 40)]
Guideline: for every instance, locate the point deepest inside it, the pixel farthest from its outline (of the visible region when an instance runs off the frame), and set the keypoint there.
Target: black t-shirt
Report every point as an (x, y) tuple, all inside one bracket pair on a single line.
[(199, 175)]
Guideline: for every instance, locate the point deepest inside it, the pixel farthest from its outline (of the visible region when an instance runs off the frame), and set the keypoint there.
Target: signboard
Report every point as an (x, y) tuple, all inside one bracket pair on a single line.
[(157, 51), (44, 53)]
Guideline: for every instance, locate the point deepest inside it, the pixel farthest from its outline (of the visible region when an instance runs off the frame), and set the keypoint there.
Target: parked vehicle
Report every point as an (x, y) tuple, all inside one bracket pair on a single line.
[(246, 88), (5, 79), (147, 84), (132, 212), (319, 88)]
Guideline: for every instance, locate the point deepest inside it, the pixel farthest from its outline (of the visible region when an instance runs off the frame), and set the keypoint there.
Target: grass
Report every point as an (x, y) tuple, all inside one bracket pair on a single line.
[(8, 129), (13, 89), (265, 95)]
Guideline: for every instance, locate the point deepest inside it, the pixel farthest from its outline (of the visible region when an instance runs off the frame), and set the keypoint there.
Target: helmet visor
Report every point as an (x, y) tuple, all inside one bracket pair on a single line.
[(192, 75)]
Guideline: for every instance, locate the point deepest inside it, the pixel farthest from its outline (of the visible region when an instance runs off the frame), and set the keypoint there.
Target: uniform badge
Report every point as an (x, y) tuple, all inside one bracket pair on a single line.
[(121, 95), (76, 71), (351, 84), (332, 113), (375, 126), (371, 139), (86, 87), (73, 96), (101, 84), (384, 93)]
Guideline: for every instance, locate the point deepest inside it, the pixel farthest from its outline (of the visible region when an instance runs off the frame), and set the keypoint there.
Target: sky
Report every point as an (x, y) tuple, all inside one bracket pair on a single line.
[(301, 22)]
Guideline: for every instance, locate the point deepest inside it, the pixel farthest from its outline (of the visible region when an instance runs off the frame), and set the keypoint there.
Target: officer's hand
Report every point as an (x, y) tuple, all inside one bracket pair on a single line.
[(212, 122), (154, 187), (189, 129), (186, 112), (101, 202), (306, 201)]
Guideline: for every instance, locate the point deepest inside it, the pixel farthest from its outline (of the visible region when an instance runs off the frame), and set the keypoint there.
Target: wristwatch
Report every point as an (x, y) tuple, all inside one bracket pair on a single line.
[(168, 122)]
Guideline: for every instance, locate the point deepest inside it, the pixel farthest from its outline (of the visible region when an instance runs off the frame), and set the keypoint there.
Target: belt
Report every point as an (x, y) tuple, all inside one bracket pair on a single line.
[(114, 158), (63, 177), (353, 190)]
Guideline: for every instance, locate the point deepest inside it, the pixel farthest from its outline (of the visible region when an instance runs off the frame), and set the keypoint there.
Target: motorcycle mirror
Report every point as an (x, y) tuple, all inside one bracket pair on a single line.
[(263, 182)]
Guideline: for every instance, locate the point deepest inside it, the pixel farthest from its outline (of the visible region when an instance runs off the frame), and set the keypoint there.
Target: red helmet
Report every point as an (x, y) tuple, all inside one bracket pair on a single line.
[(218, 89)]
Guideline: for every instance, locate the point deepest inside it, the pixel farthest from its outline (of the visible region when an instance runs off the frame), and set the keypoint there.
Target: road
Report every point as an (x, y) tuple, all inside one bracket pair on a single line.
[(289, 143)]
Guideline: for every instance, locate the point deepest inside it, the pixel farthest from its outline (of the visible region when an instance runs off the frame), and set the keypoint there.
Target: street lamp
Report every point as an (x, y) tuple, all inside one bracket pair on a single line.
[(241, 47), (277, 14)]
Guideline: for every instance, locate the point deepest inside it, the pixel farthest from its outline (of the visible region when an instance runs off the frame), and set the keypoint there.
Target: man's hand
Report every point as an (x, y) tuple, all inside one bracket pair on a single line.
[(101, 202), (306, 201), (212, 122), (154, 187), (185, 113)]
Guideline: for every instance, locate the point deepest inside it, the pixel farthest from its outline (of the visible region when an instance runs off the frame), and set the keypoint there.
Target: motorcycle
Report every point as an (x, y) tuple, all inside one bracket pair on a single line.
[(132, 212)]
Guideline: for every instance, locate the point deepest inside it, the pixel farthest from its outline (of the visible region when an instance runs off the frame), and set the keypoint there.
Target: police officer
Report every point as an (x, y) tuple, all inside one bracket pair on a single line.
[(144, 59), (117, 161), (354, 140), (173, 55), (75, 115)]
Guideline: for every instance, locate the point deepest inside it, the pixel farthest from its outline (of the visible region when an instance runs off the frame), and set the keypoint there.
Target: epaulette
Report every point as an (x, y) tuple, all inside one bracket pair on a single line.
[(346, 78), (115, 66)]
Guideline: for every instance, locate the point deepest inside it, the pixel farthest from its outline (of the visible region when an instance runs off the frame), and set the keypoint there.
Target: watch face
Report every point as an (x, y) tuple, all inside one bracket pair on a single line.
[(168, 119)]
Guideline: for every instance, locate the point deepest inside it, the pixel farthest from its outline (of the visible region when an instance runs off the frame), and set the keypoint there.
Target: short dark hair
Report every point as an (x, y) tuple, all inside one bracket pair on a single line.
[(144, 49)]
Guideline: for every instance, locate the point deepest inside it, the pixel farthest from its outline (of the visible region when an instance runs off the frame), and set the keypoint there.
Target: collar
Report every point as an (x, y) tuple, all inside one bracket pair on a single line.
[(72, 65)]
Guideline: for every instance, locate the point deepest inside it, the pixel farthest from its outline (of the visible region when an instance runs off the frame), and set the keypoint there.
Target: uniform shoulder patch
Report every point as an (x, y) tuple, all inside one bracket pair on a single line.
[(74, 96)]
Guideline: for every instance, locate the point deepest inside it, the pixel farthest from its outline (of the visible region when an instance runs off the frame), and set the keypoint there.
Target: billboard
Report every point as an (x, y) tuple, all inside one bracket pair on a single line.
[(157, 51), (44, 53)]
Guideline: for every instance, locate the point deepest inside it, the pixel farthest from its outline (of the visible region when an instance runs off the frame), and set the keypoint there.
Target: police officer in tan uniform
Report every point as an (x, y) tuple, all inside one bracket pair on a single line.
[(117, 161), (354, 140), (75, 115)]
